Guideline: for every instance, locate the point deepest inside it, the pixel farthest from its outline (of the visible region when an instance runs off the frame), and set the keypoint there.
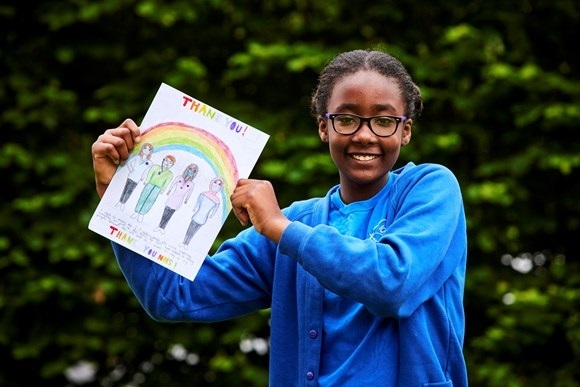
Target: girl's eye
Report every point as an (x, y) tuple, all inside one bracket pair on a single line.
[(346, 120)]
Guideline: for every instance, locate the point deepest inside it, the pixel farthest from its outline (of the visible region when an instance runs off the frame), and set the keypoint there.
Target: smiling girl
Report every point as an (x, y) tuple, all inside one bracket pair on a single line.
[(365, 284)]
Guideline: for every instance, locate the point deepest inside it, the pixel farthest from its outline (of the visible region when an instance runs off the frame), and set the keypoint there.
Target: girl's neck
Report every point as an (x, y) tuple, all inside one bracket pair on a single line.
[(351, 192)]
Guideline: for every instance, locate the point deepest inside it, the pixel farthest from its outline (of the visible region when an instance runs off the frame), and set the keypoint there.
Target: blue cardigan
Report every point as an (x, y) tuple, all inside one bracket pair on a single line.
[(384, 308)]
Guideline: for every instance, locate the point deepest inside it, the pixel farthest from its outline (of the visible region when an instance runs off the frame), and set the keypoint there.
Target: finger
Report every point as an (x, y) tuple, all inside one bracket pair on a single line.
[(242, 215), (124, 140), (104, 152), (135, 131), (236, 199), (115, 144)]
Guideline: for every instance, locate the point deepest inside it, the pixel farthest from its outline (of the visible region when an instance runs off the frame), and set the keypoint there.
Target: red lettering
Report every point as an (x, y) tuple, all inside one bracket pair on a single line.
[(186, 100)]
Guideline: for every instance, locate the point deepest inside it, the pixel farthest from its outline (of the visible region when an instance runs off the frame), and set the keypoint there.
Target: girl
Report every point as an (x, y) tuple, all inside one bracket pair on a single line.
[(366, 284)]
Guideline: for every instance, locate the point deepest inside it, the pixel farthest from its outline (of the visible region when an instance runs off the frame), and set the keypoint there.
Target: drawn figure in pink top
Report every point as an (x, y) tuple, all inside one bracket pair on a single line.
[(178, 193), (207, 204), (138, 167)]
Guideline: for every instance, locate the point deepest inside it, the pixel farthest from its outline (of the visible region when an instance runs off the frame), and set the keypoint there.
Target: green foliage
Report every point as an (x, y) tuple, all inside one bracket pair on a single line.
[(502, 96), (535, 320)]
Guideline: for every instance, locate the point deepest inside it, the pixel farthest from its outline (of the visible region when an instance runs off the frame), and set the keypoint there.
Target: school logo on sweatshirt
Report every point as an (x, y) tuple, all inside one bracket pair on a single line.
[(379, 230)]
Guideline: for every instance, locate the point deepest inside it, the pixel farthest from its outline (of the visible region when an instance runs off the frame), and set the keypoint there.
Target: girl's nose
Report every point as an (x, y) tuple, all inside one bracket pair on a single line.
[(364, 134)]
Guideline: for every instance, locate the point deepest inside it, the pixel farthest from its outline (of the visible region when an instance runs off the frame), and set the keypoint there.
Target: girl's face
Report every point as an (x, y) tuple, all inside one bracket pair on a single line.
[(364, 159)]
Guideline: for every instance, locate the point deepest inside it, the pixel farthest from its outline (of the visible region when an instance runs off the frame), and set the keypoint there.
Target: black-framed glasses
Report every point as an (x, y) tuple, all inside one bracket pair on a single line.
[(382, 126)]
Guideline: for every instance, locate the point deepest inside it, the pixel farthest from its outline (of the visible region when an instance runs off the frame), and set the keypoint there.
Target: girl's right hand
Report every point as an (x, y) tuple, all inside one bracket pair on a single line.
[(110, 149)]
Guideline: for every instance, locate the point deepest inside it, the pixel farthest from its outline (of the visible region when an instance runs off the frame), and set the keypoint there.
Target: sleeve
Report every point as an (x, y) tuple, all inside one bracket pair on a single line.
[(237, 280), (424, 246)]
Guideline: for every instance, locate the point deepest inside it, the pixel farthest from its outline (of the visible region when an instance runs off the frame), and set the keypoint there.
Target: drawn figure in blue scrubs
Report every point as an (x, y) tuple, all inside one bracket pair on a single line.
[(207, 204)]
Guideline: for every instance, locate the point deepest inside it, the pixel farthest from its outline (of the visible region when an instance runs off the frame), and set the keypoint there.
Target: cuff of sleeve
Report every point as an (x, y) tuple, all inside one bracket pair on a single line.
[(292, 240)]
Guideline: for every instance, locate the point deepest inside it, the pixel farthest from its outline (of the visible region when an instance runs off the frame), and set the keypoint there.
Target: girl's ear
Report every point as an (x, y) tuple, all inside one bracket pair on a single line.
[(406, 135), (322, 129)]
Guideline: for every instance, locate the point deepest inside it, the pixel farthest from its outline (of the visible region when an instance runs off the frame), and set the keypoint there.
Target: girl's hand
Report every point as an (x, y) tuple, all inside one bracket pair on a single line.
[(255, 201), (111, 149)]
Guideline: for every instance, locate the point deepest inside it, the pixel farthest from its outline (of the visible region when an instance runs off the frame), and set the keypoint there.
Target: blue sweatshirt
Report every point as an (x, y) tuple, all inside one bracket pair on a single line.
[(364, 294)]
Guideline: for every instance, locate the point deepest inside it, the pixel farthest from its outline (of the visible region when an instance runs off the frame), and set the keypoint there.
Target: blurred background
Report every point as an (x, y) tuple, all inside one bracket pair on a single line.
[(501, 86)]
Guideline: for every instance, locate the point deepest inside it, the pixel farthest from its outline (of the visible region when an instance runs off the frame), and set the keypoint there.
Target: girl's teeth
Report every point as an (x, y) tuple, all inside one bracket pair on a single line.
[(363, 158)]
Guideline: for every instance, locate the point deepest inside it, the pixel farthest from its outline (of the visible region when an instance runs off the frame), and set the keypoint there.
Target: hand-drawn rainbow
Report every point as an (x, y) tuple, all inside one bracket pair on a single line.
[(203, 144)]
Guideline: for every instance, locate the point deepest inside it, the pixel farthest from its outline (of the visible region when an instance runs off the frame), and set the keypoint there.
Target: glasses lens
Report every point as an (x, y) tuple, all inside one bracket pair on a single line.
[(384, 126), (345, 123)]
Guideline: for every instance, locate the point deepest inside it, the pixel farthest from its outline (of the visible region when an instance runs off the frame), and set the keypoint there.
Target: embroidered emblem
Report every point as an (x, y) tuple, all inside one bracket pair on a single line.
[(379, 230)]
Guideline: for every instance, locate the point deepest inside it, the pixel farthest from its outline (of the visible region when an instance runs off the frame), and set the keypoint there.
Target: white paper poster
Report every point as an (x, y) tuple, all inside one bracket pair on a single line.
[(169, 200)]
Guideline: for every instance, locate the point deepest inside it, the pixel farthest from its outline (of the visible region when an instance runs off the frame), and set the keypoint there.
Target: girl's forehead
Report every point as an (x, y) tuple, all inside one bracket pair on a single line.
[(366, 78), (366, 88)]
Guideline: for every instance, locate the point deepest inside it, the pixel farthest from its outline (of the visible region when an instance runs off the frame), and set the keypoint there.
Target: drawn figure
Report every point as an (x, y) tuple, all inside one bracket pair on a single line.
[(138, 167), (158, 178), (206, 206), (179, 192)]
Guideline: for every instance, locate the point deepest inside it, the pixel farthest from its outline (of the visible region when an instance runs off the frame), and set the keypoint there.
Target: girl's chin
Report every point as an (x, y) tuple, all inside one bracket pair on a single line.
[(365, 179)]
